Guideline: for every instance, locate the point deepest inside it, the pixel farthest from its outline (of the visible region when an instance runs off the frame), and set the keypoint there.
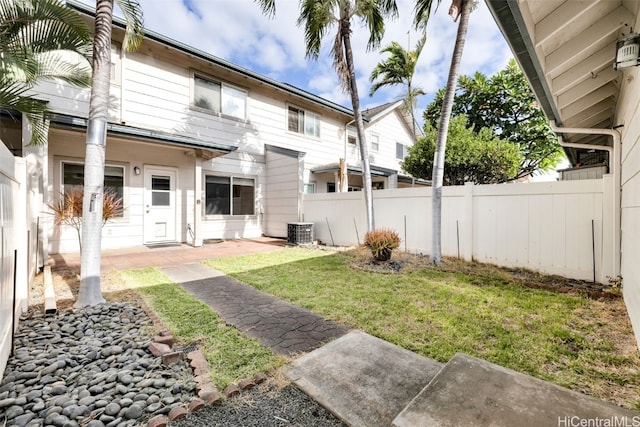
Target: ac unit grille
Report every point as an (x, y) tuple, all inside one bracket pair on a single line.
[(299, 233)]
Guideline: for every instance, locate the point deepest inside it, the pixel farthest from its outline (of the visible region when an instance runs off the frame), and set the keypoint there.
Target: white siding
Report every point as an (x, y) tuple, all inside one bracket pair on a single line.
[(390, 129), (155, 94), (283, 192), (629, 115), (126, 231)]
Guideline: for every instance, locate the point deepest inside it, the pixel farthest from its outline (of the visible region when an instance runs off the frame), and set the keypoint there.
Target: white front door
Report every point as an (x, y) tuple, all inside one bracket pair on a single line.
[(159, 204)]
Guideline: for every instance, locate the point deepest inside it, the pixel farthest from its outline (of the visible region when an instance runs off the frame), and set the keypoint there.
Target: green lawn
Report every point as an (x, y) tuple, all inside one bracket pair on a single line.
[(571, 340), (232, 356)]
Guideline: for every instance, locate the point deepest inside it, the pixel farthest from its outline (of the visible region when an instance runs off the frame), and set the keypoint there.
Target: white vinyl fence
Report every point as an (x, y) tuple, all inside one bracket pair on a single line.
[(13, 246), (562, 228)]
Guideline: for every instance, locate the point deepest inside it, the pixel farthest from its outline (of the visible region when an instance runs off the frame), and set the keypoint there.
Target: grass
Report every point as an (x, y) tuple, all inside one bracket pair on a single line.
[(232, 356), (571, 340)]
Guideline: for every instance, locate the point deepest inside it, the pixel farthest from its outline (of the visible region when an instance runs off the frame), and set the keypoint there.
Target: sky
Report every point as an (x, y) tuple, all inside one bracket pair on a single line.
[(237, 31)]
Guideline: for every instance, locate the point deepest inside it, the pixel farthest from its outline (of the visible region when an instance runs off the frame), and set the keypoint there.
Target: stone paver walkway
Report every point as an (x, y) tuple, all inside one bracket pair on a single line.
[(284, 328)]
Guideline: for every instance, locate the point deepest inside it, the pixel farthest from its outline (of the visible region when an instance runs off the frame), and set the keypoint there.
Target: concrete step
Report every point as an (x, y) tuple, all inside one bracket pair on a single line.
[(473, 392), (363, 380)]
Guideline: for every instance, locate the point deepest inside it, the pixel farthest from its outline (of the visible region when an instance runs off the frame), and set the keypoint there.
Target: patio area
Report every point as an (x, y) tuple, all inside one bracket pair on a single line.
[(168, 256)]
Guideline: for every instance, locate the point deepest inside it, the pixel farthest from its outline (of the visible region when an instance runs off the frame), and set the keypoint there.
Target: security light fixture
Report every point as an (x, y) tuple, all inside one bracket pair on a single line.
[(136, 170), (627, 51)]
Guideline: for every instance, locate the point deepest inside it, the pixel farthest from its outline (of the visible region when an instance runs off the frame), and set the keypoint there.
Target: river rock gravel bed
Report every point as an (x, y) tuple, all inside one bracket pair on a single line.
[(269, 405), (89, 367)]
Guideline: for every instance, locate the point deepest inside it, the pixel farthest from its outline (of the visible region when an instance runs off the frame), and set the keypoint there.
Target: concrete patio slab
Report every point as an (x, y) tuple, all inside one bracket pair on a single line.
[(363, 380), (474, 392)]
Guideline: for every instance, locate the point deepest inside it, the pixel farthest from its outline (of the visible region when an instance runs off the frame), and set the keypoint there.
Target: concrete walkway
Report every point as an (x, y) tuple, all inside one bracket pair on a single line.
[(284, 328)]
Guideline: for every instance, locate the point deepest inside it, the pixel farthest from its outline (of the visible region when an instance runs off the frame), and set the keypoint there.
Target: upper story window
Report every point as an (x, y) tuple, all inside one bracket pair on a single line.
[(401, 151), (116, 65), (304, 122), (352, 135), (219, 97), (375, 142)]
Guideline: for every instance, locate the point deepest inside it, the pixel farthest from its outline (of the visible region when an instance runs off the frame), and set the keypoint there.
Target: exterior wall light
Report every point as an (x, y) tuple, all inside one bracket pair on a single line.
[(136, 170), (627, 52)]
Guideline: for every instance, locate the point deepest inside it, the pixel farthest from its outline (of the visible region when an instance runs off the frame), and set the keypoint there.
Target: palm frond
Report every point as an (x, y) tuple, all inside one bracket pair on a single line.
[(33, 36), (268, 7), (316, 16), (373, 13), (422, 12), (134, 32)]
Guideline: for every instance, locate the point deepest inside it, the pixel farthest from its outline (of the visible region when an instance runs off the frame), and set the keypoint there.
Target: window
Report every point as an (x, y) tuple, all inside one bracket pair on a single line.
[(229, 195), (303, 122), (219, 97), (375, 142), (401, 151), (116, 64), (309, 188), (377, 185), (352, 135), (331, 187), (160, 190), (73, 176)]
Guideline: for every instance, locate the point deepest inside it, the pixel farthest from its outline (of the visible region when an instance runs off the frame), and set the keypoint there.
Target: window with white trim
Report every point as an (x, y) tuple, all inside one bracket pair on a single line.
[(219, 98), (228, 195), (402, 151), (73, 176), (352, 135), (375, 142), (302, 121), (310, 188), (116, 65)]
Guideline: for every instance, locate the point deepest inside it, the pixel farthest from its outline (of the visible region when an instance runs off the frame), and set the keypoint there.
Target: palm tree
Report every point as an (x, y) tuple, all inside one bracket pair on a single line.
[(318, 16), (398, 69), (34, 35), (462, 9), (90, 293)]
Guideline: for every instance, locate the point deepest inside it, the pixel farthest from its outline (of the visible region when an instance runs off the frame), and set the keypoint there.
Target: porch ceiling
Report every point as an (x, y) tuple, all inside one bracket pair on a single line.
[(567, 50)]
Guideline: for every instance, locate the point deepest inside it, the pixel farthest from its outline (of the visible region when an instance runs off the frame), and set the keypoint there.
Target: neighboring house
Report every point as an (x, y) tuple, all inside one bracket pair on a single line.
[(200, 148), (567, 50)]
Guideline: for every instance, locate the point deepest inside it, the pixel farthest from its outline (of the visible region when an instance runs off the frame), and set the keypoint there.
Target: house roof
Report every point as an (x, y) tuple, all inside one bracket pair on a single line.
[(375, 113), (567, 50), (189, 50), (335, 167), (207, 149)]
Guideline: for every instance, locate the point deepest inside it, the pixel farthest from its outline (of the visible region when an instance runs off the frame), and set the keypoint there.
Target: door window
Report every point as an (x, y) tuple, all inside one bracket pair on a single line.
[(160, 190)]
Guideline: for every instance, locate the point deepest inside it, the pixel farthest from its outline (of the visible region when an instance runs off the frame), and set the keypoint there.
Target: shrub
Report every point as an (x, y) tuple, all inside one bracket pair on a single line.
[(381, 242), (67, 210)]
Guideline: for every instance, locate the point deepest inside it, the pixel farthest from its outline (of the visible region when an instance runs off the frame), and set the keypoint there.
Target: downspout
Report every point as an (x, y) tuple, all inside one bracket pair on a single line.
[(615, 160)]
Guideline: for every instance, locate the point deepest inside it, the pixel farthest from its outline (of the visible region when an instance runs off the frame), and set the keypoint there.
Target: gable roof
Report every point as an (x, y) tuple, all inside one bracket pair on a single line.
[(375, 113)]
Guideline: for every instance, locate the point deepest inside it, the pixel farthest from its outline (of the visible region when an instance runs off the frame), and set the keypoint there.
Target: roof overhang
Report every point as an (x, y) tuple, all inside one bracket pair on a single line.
[(567, 50), (353, 169), (204, 149)]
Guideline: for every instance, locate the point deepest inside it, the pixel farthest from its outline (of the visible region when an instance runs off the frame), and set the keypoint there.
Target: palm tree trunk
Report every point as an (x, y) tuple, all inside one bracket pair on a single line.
[(443, 129), (90, 258), (364, 149)]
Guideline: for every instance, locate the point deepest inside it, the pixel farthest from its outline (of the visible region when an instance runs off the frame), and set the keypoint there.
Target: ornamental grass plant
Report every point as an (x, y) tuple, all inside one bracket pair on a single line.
[(381, 242)]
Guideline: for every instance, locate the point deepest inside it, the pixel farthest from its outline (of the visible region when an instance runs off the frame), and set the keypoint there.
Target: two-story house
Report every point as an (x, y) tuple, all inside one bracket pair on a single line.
[(199, 148)]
